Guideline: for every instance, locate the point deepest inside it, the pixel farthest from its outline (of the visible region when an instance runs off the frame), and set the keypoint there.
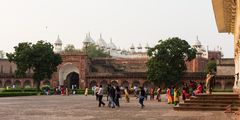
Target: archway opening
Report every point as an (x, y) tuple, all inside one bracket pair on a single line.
[(104, 83), (125, 84), (92, 83), (0, 84), (114, 83), (8, 83), (136, 83), (17, 84), (47, 82), (72, 80), (147, 84), (218, 86), (27, 84), (229, 85)]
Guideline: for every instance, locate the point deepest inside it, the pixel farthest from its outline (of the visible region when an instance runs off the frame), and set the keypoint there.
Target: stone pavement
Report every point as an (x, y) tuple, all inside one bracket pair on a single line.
[(86, 108)]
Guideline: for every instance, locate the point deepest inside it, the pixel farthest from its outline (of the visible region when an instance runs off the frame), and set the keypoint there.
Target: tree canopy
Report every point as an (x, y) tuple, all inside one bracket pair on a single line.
[(38, 57), (211, 66), (167, 60), (93, 51)]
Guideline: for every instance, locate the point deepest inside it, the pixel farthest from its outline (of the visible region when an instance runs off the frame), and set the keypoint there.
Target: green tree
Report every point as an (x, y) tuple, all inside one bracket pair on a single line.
[(39, 57), (69, 48), (167, 60), (211, 66), (93, 51)]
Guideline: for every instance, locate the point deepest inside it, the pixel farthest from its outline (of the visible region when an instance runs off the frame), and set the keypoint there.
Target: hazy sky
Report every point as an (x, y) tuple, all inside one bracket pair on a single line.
[(126, 21)]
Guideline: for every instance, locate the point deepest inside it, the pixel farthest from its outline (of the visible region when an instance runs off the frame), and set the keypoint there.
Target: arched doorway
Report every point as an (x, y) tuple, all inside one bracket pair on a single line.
[(17, 84), (46, 82), (114, 83), (8, 83), (218, 85), (69, 72), (27, 84), (104, 83), (147, 84), (125, 84), (229, 85), (0, 84), (136, 83), (72, 80), (92, 83)]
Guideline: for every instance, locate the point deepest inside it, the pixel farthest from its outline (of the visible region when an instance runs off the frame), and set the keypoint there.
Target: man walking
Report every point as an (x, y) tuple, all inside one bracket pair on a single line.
[(100, 96)]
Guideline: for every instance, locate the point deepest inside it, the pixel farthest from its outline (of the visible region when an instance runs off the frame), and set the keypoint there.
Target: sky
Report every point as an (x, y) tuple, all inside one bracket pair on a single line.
[(125, 21)]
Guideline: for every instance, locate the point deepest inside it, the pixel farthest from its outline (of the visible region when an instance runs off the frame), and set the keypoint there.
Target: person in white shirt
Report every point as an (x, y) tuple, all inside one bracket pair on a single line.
[(100, 96)]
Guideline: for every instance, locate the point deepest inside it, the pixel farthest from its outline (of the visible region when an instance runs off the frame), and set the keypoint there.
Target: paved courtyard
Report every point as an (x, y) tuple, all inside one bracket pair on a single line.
[(86, 108)]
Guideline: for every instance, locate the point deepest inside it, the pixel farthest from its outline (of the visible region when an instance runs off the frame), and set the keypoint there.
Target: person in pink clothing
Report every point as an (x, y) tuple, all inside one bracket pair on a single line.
[(199, 89)]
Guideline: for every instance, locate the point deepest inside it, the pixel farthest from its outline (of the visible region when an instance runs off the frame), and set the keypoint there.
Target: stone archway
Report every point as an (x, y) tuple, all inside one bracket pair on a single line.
[(218, 85), (27, 84), (125, 84), (104, 83), (65, 71), (8, 83), (229, 85), (1, 85), (72, 80), (92, 83), (114, 83), (147, 84), (17, 84), (46, 82), (136, 83)]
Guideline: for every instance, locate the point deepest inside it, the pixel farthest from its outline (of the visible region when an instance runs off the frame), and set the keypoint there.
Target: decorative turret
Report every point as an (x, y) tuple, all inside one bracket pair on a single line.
[(58, 45), (198, 46), (90, 38), (147, 47), (112, 45), (139, 47), (101, 43), (1, 54), (132, 48)]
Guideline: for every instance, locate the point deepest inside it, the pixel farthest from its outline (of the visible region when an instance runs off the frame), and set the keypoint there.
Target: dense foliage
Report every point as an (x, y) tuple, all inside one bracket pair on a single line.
[(38, 57), (211, 66), (93, 51), (167, 60)]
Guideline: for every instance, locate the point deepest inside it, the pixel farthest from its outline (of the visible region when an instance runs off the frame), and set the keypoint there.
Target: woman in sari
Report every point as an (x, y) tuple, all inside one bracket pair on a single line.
[(126, 94), (169, 98), (209, 82)]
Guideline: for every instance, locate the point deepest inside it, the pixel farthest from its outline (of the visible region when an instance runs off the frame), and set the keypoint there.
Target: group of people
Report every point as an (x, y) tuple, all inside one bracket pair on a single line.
[(114, 94), (62, 90), (172, 95)]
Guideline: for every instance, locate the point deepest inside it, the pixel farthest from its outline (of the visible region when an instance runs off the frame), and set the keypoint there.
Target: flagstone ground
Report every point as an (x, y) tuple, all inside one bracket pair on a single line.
[(86, 108)]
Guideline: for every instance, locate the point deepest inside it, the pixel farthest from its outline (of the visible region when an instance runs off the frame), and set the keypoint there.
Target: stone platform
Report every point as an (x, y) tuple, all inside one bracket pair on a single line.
[(208, 102), (86, 108)]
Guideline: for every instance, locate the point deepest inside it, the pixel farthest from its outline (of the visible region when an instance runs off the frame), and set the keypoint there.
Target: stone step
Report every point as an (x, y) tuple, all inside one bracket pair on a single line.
[(214, 98), (208, 105), (217, 95), (200, 108), (213, 101)]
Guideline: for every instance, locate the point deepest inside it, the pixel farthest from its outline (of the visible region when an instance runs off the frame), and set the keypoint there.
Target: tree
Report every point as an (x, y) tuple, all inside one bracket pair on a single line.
[(211, 66), (167, 60), (69, 48), (39, 57), (93, 51)]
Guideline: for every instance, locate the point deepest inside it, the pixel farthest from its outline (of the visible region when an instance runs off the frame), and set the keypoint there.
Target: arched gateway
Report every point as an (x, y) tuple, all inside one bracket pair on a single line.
[(69, 75)]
